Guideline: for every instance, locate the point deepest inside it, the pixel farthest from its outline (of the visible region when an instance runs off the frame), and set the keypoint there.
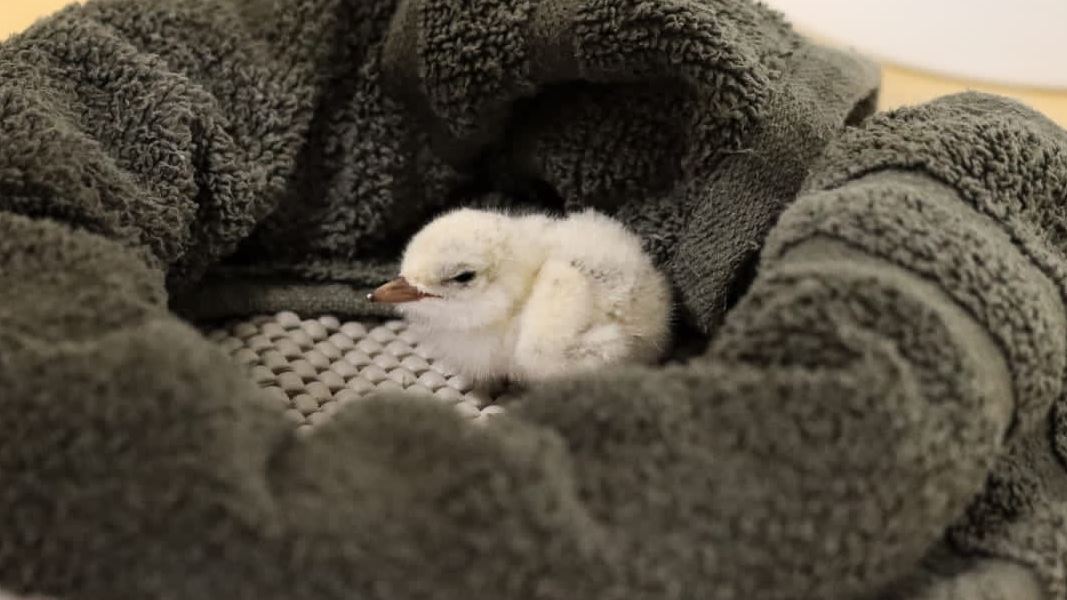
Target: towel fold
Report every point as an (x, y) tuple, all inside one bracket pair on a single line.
[(967, 192)]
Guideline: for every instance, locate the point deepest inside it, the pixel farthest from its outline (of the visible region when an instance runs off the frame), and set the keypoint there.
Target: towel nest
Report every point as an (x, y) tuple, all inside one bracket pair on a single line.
[(885, 362)]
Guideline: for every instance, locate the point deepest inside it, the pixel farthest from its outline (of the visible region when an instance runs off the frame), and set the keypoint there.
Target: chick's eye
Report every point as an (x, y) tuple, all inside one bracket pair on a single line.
[(464, 277)]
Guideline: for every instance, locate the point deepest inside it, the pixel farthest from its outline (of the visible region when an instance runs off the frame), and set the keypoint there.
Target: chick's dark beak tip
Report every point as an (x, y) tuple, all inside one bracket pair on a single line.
[(396, 291)]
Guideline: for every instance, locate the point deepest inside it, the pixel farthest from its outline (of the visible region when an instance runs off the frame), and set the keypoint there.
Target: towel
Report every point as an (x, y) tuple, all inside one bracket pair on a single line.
[(882, 298), (965, 193)]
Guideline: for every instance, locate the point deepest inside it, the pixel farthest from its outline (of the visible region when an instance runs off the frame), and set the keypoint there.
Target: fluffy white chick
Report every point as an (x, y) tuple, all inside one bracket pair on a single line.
[(524, 298)]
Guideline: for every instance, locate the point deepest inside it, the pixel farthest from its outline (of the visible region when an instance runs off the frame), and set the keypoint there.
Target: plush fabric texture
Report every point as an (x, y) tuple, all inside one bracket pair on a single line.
[(885, 383)]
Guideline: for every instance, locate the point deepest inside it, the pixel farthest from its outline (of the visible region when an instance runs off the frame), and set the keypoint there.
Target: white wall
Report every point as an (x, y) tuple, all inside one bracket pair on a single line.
[(1015, 42)]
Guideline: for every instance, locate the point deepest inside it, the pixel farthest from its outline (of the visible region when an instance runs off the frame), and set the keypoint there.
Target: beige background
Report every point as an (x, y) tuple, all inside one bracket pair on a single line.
[(900, 86)]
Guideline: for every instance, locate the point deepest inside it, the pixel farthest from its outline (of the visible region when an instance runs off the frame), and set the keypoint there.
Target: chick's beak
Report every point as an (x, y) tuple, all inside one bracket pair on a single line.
[(397, 291)]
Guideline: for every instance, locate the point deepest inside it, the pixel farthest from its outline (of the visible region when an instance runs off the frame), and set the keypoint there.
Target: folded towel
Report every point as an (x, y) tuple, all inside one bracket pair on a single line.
[(694, 123), (883, 381), (967, 192)]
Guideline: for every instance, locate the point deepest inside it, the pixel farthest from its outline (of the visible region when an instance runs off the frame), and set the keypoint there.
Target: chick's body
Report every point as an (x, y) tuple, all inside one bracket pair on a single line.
[(532, 297)]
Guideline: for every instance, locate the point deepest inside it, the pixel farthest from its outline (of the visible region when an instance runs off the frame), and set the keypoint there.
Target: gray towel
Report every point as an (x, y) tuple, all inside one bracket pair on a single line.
[(884, 387), (967, 194)]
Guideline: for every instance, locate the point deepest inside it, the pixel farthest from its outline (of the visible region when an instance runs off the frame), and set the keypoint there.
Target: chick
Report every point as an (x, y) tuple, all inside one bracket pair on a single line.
[(525, 298)]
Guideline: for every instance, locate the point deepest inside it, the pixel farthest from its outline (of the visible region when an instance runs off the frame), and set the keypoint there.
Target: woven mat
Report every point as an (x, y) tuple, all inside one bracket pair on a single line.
[(313, 367)]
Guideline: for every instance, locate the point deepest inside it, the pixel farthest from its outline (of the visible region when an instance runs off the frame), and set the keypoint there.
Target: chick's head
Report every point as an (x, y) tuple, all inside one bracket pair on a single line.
[(465, 270)]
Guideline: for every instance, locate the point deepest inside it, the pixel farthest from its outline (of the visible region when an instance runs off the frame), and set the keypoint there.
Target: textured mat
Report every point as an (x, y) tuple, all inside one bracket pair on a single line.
[(313, 367)]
